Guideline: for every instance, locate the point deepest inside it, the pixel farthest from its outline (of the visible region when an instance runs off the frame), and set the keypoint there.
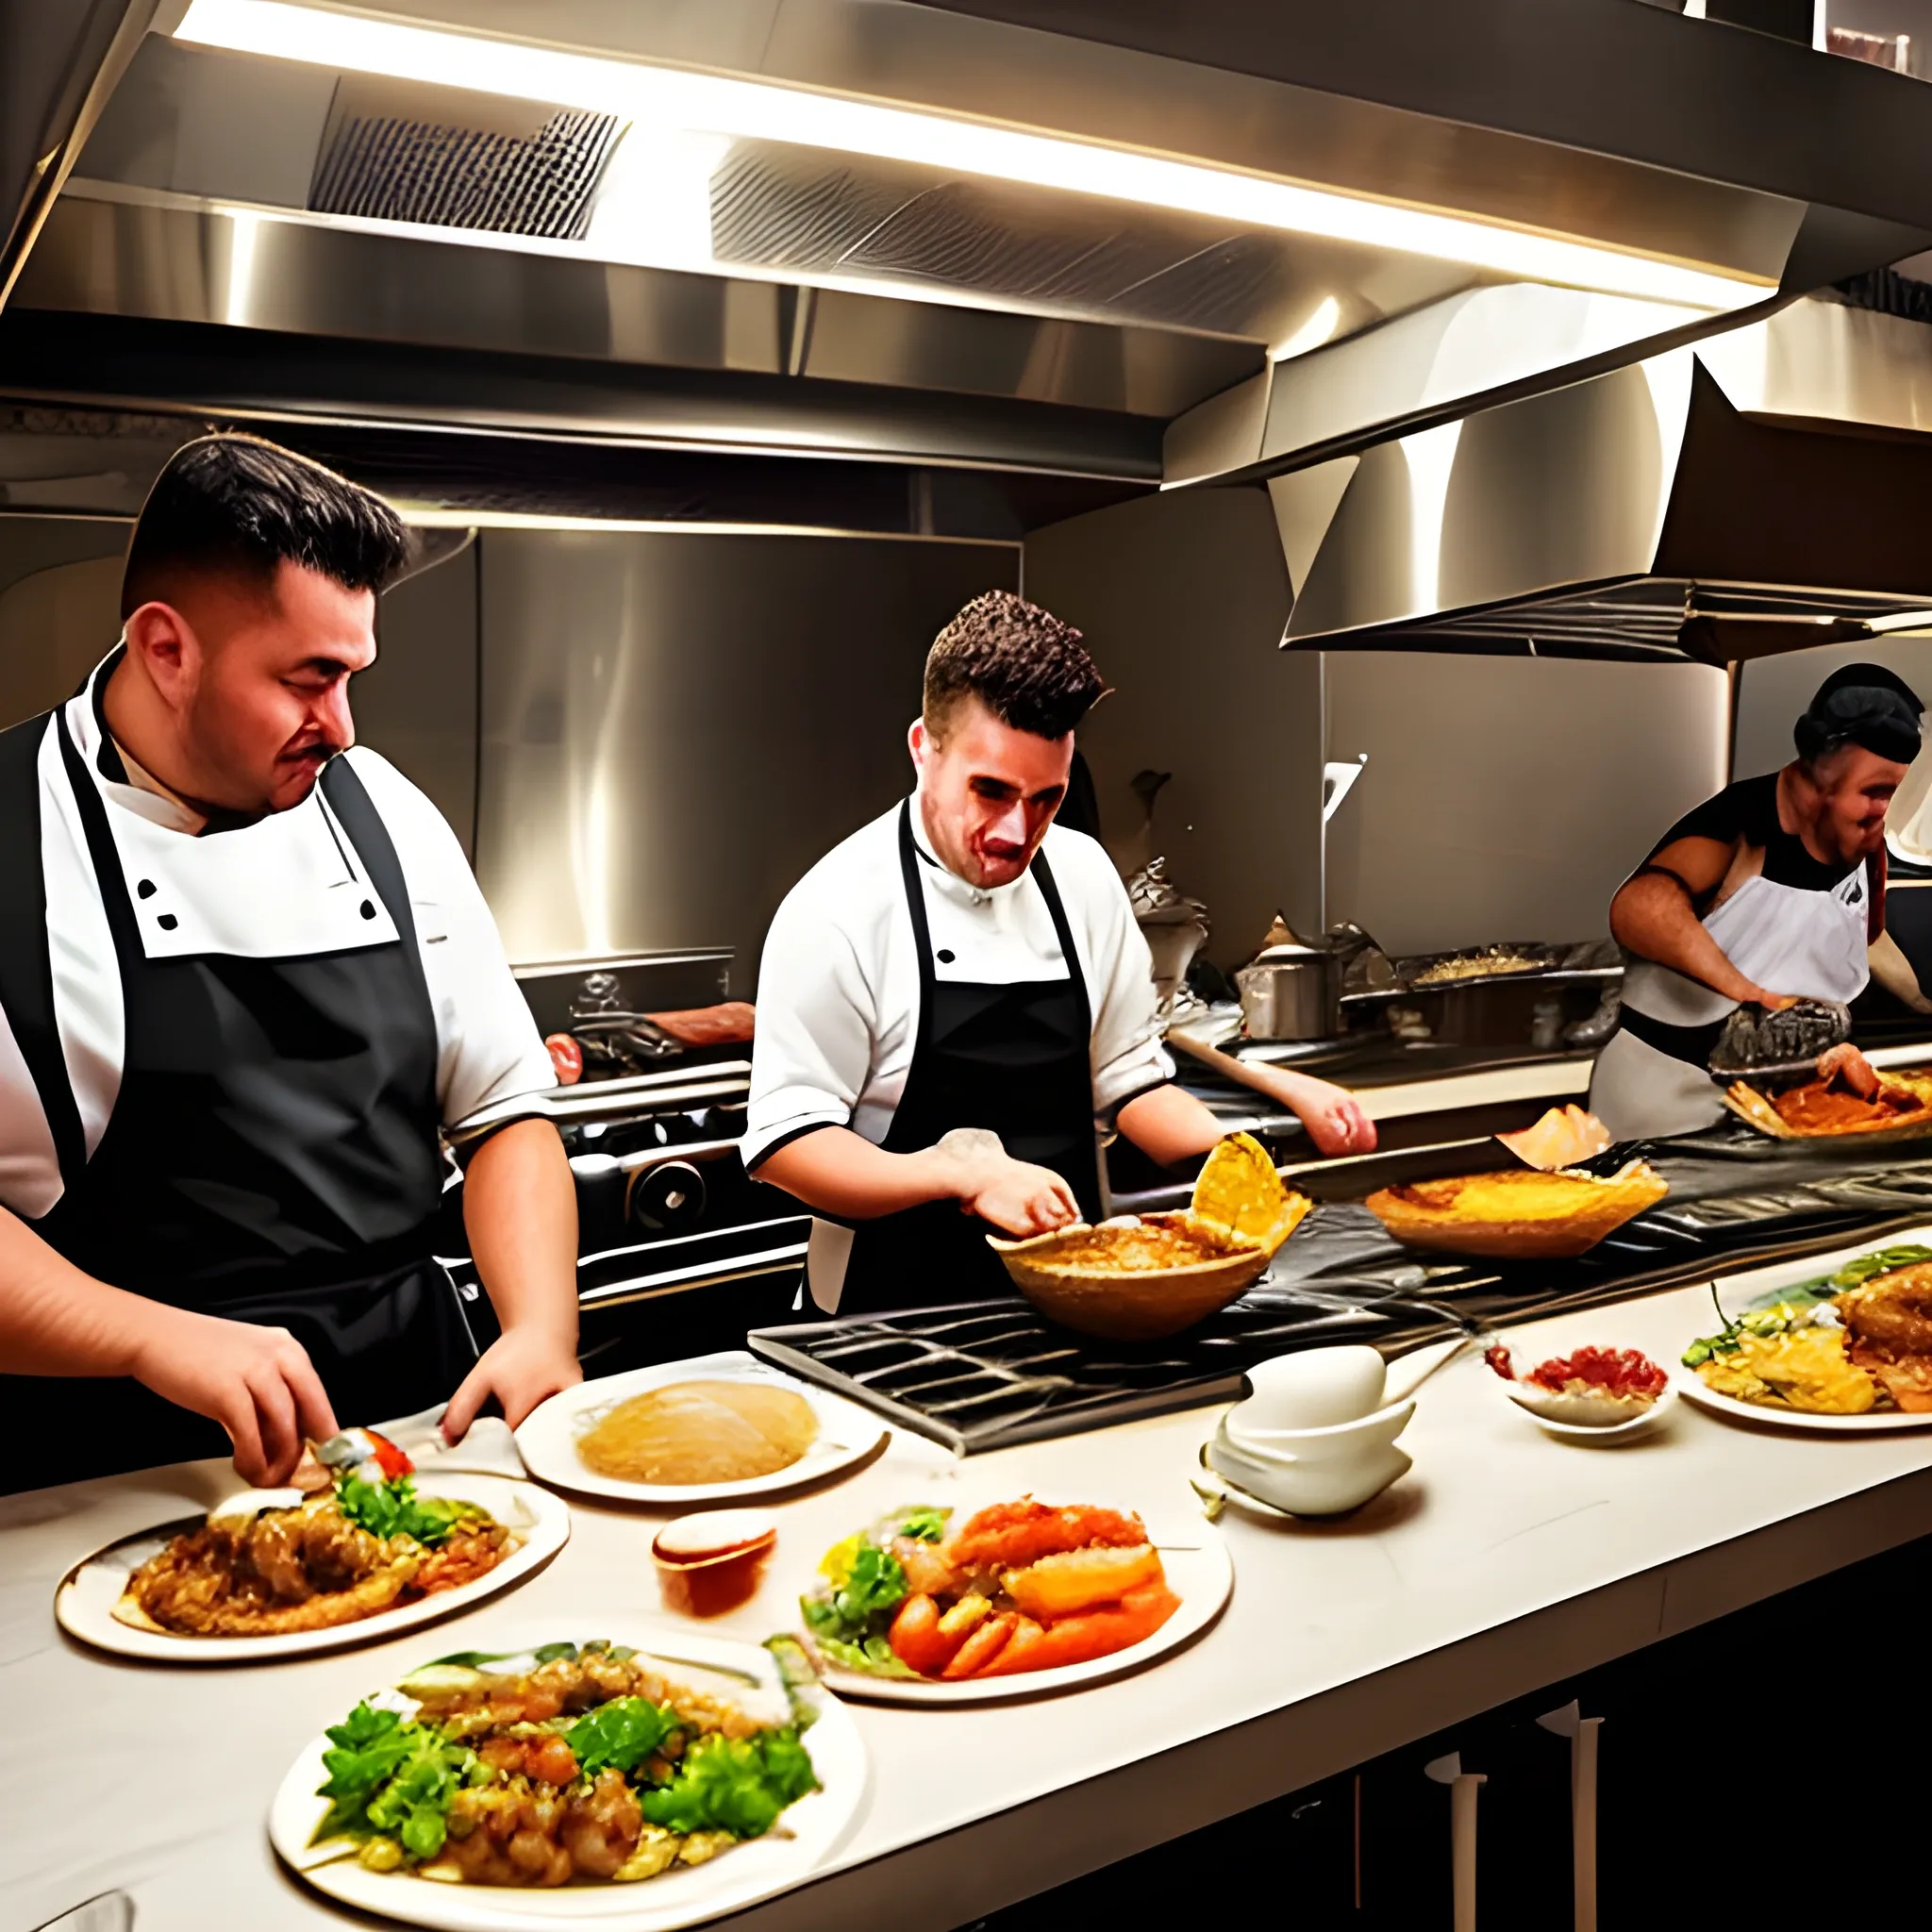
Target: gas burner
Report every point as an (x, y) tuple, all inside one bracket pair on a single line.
[(984, 1376)]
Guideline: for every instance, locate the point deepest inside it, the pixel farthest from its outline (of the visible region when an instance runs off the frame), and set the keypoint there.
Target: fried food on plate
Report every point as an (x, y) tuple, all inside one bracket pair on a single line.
[(1888, 1322), (353, 1551), (1018, 1587), (700, 1432), (1854, 1341)]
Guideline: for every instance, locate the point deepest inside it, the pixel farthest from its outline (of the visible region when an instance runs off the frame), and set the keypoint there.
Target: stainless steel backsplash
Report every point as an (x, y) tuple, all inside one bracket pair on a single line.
[(674, 727)]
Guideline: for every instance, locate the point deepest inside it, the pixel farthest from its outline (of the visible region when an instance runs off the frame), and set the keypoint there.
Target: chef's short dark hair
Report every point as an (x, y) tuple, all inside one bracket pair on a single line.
[(1865, 704), (1026, 667), (241, 505)]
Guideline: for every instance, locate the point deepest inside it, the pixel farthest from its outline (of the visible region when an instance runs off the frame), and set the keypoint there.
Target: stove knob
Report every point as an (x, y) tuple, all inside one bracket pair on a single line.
[(667, 1199)]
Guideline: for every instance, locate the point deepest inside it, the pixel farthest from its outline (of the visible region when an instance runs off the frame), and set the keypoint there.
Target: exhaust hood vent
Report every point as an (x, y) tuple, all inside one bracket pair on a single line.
[(783, 208), (1760, 491), (396, 152)]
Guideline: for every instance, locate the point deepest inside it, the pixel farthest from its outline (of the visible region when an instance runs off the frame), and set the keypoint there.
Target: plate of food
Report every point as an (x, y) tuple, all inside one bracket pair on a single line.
[(274, 1574), (1140, 1277), (653, 1776), (1847, 1353), (936, 1605), (1517, 1214), (715, 1429), (1829, 1109)]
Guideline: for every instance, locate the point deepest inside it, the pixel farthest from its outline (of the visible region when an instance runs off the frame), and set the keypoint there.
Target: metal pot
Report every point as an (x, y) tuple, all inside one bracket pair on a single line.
[(1292, 992)]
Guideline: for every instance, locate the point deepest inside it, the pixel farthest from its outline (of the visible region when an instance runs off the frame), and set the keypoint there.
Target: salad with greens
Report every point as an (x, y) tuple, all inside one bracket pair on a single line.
[(564, 1764), (862, 1582), (1805, 1305)]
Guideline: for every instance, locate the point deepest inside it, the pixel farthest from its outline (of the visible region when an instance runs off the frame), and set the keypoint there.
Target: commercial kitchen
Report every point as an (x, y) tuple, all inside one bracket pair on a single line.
[(1465, 440)]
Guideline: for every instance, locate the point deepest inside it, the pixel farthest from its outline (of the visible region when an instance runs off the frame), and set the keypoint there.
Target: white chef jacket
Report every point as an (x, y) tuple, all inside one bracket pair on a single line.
[(286, 886), (838, 985)]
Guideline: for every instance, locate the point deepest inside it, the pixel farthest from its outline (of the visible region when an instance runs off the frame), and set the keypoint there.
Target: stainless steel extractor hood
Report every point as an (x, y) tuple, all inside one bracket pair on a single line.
[(1758, 491)]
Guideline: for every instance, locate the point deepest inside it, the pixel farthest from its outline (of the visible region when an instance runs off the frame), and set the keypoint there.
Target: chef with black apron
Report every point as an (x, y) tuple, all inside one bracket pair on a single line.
[(1770, 893), (246, 978), (956, 1003)]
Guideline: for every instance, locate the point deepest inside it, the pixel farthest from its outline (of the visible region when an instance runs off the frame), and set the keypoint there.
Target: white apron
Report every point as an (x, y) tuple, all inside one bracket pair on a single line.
[(1788, 939)]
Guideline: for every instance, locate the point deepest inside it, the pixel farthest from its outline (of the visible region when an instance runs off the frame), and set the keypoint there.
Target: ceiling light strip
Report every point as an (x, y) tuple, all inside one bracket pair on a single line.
[(658, 97)]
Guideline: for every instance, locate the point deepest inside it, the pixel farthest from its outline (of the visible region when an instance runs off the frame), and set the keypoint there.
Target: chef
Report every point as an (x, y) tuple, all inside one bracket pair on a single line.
[(1770, 893), (953, 1000), (245, 979)]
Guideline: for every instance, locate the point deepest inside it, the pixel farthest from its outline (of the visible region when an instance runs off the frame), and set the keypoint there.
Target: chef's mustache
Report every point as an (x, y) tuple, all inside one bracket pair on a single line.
[(318, 754)]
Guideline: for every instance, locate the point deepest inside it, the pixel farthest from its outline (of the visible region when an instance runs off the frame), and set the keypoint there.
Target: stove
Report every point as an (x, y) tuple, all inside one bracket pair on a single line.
[(679, 1250), (986, 1375)]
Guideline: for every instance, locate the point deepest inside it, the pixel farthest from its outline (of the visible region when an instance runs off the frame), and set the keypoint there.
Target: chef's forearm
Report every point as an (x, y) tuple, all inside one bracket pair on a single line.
[(841, 1172), (56, 1320), (1894, 971), (1167, 1125), (1652, 916), (520, 1210)]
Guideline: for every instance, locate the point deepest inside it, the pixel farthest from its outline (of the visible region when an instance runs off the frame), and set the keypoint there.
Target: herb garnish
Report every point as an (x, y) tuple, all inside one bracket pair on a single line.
[(622, 1733), (393, 1509)]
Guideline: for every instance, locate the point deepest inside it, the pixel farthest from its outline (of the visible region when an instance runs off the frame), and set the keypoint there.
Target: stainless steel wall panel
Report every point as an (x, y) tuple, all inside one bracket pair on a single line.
[(676, 727), (1182, 597), (1508, 798), (417, 702)]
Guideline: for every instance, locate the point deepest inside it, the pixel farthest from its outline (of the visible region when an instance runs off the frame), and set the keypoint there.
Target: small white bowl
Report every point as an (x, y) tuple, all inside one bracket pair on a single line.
[(1313, 1388), (1318, 1472), (1603, 1434)]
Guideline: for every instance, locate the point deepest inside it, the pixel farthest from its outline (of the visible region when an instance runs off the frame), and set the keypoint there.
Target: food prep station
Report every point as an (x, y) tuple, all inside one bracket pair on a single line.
[(747, 475), (1509, 1562)]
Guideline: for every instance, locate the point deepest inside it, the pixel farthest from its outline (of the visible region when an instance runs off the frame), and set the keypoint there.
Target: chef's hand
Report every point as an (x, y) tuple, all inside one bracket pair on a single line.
[(521, 1368), (256, 1382), (1020, 1199), (1774, 1002), (1334, 1119), (1017, 1197), (1845, 1062), (1332, 1115)]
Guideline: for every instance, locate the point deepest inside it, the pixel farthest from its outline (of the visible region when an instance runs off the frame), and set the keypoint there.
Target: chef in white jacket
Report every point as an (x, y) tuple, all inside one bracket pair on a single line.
[(245, 980), (954, 1000)]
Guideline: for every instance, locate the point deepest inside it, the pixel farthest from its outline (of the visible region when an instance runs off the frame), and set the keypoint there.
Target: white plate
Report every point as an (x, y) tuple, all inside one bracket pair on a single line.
[(807, 1834), (1759, 1288), (1198, 1572), (1875, 1423), (85, 1602), (548, 1438)]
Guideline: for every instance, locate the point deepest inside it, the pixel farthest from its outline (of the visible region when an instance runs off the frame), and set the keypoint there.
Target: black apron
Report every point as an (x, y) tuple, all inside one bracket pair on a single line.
[(271, 1157), (1014, 1058)]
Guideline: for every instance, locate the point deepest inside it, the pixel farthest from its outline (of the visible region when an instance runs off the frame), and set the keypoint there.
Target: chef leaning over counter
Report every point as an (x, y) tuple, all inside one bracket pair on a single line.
[(246, 978), (956, 1003), (1771, 893)]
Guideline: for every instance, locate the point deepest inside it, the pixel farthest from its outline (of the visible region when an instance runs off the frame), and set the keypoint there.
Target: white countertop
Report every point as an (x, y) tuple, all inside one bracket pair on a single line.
[(1505, 1561)]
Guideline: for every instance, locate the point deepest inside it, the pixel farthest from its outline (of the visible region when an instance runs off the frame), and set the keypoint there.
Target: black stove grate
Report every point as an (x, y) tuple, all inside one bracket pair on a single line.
[(985, 1376)]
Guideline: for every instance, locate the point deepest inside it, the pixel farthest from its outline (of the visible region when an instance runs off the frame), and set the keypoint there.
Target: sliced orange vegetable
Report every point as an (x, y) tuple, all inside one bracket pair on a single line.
[(1082, 1579), (1089, 1634), (970, 1611), (1017, 1650), (916, 1638), (982, 1647)]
